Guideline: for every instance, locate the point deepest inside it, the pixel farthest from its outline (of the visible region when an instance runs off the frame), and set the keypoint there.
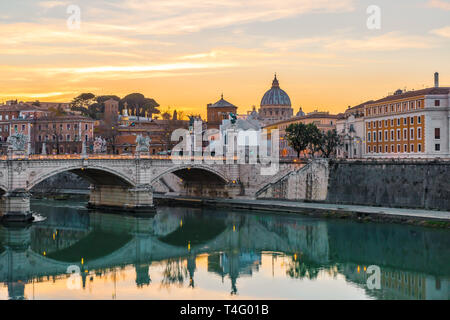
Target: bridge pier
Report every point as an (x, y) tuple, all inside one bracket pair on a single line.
[(121, 198), (15, 206)]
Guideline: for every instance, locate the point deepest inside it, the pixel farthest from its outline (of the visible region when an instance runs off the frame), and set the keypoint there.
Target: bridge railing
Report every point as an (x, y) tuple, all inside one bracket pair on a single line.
[(108, 157)]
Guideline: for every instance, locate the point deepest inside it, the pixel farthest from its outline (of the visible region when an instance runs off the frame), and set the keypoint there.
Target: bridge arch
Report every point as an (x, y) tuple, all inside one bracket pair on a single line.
[(94, 174), (195, 173)]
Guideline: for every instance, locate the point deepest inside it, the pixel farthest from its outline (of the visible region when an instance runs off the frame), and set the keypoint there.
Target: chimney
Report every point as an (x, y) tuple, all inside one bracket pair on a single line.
[(436, 80)]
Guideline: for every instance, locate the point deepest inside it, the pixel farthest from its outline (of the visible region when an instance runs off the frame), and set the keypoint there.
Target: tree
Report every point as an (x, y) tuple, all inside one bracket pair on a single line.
[(314, 138), (82, 103), (330, 141), (140, 105), (57, 112), (297, 137)]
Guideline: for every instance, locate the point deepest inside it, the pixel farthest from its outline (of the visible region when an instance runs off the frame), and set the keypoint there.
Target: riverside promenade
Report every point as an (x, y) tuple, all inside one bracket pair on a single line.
[(317, 209)]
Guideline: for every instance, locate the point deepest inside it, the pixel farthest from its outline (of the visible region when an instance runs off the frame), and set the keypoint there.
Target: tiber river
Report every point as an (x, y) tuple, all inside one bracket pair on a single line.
[(191, 253)]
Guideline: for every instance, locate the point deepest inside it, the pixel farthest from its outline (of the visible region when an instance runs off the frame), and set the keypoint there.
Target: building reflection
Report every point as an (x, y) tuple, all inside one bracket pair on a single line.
[(234, 246)]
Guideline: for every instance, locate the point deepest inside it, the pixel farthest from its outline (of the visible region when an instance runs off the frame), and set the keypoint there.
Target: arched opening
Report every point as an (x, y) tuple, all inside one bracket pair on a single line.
[(76, 180), (197, 181)]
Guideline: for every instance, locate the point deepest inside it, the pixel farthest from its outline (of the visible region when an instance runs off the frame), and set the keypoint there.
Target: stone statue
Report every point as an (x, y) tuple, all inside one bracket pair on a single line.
[(142, 143), (233, 118), (17, 141), (191, 120), (99, 145)]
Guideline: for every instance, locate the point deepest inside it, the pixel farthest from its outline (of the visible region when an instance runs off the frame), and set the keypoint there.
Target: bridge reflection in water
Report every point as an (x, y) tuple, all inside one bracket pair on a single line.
[(219, 253)]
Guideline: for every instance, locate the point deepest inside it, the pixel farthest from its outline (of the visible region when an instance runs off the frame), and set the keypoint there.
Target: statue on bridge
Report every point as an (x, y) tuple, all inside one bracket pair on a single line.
[(142, 143), (233, 118), (17, 141), (99, 145)]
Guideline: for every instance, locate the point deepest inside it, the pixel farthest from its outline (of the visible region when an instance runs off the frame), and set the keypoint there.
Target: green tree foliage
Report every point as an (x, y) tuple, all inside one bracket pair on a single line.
[(58, 111), (82, 103), (307, 137), (297, 137), (139, 105), (330, 141)]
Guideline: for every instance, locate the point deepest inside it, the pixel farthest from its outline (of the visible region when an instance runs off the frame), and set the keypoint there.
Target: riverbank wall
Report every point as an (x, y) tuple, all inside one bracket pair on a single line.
[(411, 183)]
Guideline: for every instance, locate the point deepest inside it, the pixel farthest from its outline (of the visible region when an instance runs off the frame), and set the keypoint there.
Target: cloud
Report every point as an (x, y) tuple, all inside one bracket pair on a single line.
[(52, 4), (391, 41), (187, 16), (440, 4), (443, 32)]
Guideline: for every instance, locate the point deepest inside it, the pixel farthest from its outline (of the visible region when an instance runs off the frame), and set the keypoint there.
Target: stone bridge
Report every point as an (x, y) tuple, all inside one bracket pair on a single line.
[(125, 182)]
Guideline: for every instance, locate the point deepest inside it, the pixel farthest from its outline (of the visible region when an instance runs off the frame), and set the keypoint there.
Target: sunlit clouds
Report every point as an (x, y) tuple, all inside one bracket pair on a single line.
[(185, 53)]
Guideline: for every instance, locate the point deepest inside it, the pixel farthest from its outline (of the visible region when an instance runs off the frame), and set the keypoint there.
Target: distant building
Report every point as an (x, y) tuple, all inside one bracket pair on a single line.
[(62, 134), (409, 124), (122, 139), (350, 127), (216, 112), (275, 105)]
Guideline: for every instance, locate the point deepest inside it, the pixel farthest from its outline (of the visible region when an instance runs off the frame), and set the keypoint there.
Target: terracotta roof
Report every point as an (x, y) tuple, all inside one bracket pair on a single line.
[(410, 94), (359, 106)]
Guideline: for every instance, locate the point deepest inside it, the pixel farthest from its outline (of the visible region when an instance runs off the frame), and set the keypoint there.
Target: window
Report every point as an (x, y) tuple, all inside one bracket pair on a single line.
[(405, 148), (399, 137), (6, 117), (1, 117), (398, 121), (68, 126), (85, 127), (437, 133), (68, 137), (380, 136), (392, 122), (437, 103), (385, 123), (23, 127), (392, 135), (392, 148), (437, 147), (405, 134), (419, 119), (380, 149), (419, 133), (399, 148), (386, 149), (386, 138), (405, 121), (412, 120), (419, 148), (369, 149), (412, 148), (368, 125), (374, 136), (411, 133), (368, 136)]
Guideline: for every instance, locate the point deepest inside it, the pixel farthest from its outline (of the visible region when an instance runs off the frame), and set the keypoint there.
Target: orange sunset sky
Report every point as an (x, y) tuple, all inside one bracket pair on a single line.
[(185, 53)]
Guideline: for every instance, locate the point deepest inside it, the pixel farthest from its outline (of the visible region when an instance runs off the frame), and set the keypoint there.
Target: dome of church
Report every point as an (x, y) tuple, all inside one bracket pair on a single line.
[(275, 96)]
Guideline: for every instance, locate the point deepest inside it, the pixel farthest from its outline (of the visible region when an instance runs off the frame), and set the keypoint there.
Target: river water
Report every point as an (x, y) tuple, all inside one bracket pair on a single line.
[(192, 253)]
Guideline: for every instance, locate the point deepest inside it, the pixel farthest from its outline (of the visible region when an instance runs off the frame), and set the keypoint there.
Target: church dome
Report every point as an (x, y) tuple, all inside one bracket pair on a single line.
[(275, 96)]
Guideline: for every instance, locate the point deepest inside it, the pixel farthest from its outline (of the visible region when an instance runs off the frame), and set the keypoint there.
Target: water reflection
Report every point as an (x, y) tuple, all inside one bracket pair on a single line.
[(218, 254)]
